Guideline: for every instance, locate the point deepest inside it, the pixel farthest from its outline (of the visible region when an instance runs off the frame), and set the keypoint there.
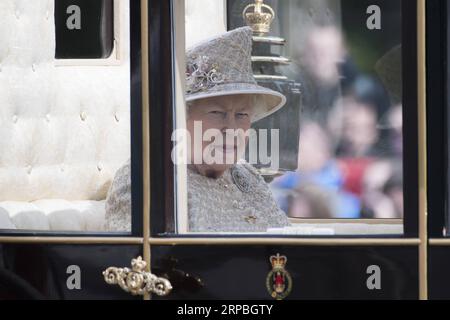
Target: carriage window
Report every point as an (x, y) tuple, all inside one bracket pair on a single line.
[(84, 29), (289, 117), (65, 135)]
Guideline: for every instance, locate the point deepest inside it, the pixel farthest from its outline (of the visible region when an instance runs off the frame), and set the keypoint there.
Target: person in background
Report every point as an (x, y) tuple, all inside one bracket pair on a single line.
[(310, 201), (317, 170)]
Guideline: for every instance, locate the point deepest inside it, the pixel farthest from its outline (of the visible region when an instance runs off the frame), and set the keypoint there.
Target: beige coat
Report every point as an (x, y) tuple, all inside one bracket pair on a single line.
[(238, 201)]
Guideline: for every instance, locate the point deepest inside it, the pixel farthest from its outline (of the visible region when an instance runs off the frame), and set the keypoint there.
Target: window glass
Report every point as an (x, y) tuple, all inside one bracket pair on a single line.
[(84, 29), (289, 116), (65, 130)]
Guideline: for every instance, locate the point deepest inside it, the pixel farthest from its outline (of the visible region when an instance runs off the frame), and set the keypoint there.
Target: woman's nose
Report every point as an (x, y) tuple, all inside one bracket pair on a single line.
[(230, 121)]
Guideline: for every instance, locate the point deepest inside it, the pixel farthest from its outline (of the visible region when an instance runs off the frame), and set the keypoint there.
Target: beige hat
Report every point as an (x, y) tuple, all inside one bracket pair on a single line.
[(222, 66)]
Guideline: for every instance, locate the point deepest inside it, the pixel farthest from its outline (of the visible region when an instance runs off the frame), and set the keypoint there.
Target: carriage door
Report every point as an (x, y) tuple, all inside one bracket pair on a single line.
[(343, 166), (71, 118)]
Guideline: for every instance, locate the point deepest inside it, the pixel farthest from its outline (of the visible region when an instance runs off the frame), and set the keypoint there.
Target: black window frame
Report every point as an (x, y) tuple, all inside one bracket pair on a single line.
[(438, 116)]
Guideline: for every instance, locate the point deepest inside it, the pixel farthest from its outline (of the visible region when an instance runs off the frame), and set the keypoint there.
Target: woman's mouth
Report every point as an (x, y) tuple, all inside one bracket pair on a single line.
[(226, 148), (229, 149)]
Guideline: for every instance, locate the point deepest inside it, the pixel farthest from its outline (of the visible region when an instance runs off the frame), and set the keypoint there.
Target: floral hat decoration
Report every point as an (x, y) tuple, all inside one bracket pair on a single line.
[(222, 66)]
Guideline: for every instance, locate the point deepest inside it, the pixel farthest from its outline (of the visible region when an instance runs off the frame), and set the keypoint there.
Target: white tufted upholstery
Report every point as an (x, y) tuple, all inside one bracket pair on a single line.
[(64, 131), (201, 13), (53, 214)]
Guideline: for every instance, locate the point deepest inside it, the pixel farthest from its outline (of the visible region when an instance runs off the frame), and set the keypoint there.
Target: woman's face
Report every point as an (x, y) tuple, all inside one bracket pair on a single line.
[(222, 123)]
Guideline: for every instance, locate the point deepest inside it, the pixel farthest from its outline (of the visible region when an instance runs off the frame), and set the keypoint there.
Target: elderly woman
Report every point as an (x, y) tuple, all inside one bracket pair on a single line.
[(225, 194)]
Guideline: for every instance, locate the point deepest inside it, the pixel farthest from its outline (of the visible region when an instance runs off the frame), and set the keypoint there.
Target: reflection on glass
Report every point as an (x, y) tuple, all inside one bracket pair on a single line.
[(333, 149), (64, 125)]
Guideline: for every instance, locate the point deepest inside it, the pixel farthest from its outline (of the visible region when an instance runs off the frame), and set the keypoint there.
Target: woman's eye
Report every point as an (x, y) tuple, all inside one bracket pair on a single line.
[(215, 112), (242, 115)]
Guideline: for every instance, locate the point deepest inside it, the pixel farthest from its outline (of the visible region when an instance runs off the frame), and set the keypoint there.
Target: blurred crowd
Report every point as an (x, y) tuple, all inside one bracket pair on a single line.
[(350, 148)]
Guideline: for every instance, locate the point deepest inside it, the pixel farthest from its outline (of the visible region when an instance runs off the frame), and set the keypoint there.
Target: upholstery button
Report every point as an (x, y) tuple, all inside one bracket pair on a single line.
[(99, 167), (116, 116), (33, 67), (47, 117), (29, 169), (15, 118), (83, 116)]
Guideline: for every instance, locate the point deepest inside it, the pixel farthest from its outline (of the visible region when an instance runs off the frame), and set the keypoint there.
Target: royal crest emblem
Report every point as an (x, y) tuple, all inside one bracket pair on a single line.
[(278, 281)]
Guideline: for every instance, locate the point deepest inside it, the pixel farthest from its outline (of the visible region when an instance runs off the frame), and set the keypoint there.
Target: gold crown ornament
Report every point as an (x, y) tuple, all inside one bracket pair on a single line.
[(278, 262), (259, 19)]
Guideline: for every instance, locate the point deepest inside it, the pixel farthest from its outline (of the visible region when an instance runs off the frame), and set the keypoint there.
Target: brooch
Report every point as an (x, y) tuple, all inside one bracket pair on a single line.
[(241, 179), (251, 219), (202, 75)]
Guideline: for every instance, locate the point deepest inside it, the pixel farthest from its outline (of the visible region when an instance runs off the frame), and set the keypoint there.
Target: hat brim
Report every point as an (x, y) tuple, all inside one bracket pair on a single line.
[(268, 101)]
